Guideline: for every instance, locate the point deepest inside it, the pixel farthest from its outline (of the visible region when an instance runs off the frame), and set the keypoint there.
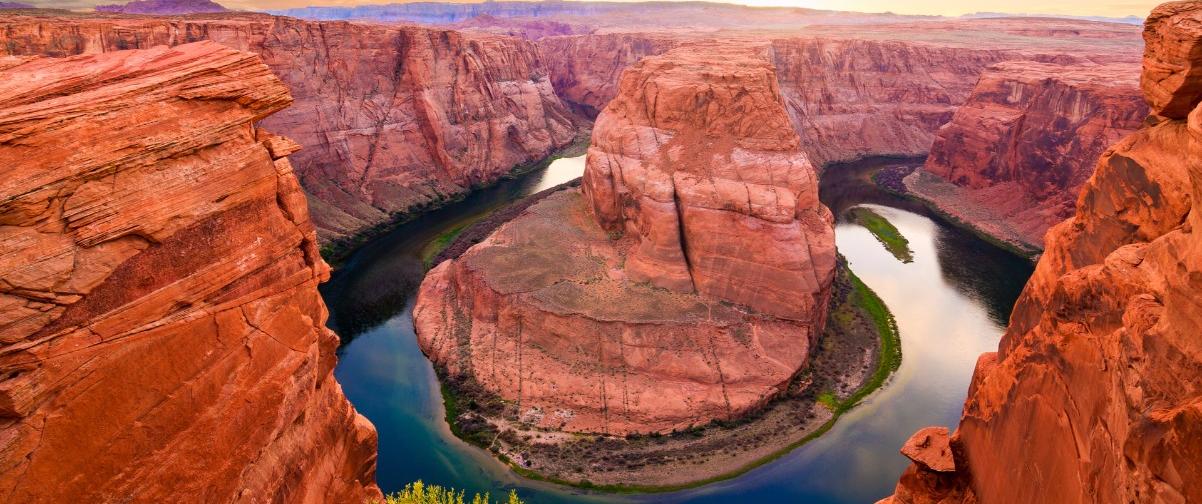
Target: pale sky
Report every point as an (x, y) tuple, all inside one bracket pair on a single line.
[(940, 7)]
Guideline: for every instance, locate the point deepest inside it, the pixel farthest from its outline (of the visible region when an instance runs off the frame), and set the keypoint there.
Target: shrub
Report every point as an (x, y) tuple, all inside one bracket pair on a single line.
[(421, 493)]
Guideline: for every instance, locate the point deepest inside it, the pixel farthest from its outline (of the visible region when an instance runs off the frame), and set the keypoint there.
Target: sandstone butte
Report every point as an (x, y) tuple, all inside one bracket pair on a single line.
[(1095, 392), (856, 91), (163, 337), (1027, 139), (687, 281), (393, 118)]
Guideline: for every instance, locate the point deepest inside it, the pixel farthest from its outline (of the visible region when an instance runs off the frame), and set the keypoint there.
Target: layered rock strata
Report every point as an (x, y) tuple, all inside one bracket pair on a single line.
[(850, 97), (686, 282), (163, 337), (1094, 393), (392, 118), (1026, 141)]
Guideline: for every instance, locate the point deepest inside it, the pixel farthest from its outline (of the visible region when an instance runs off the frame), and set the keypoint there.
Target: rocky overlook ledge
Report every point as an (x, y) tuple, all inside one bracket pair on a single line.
[(686, 282), (163, 337)]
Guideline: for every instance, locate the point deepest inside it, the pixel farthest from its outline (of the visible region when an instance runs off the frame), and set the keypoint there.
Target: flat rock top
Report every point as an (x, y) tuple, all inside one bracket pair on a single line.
[(1122, 76), (567, 264)]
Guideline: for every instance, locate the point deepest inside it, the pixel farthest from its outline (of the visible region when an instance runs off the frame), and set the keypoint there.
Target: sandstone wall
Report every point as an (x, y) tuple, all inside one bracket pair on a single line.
[(1094, 392), (392, 118), (697, 160), (1029, 135), (847, 98), (163, 338)]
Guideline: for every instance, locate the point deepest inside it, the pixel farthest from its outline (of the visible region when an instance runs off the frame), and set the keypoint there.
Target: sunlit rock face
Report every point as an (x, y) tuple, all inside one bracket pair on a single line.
[(163, 339), (1093, 394), (1029, 136), (687, 281), (393, 118)]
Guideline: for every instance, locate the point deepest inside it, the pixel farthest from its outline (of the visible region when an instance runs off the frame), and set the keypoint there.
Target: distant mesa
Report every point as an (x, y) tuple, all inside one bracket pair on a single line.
[(15, 5), (161, 7)]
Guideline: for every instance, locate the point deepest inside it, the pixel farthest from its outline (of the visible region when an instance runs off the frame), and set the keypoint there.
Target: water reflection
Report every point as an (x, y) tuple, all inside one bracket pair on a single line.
[(950, 304)]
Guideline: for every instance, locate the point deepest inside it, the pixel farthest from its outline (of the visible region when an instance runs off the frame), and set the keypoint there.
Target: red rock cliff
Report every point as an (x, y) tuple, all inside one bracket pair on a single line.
[(1027, 139), (391, 118), (694, 182), (850, 94), (163, 338), (1095, 392)]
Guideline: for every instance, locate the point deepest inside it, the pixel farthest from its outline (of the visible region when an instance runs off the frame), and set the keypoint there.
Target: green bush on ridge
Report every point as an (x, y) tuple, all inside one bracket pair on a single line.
[(421, 493)]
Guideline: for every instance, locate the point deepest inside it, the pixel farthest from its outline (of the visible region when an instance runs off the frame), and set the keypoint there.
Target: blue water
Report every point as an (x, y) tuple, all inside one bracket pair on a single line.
[(951, 304)]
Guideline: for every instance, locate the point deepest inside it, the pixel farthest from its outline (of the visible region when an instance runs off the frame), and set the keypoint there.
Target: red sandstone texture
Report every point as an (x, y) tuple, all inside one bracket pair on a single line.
[(1094, 394), (686, 283), (163, 338), (391, 117), (1026, 141), (857, 90)]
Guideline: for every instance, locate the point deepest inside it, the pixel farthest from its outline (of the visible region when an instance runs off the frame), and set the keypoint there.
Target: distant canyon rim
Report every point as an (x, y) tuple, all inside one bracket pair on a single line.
[(176, 173)]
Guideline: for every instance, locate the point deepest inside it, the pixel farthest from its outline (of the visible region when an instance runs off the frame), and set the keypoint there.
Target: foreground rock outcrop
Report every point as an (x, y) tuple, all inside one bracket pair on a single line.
[(393, 118), (686, 282), (1025, 142), (1095, 392), (163, 338)]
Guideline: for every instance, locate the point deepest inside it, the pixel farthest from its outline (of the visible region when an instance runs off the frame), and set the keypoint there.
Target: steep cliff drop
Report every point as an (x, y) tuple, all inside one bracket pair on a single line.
[(1094, 392), (1014, 157), (163, 338), (393, 118), (687, 283)]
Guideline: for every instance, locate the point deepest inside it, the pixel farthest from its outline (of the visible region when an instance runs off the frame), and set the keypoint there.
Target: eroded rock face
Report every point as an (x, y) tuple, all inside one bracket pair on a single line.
[(851, 97), (857, 98), (697, 160), (1028, 137), (694, 182), (585, 69), (163, 338), (392, 118), (1093, 394)]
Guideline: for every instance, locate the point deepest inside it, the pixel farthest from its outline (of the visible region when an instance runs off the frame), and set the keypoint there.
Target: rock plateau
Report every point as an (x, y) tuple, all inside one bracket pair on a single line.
[(1095, 392), (686, 282), (163, 337)]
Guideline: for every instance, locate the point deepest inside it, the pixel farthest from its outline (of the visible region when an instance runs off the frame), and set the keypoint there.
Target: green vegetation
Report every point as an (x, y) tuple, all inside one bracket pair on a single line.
[(420, 493), (885, 232), (890, 352), (441, 242)]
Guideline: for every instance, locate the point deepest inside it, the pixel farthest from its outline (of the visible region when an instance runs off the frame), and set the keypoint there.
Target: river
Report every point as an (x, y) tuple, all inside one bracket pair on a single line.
[(951, 304)]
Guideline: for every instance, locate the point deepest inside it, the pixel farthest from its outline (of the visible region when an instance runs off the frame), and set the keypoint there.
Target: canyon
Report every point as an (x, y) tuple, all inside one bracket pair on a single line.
[(162, 330), (158, 281), (858, 92), (1094, 385), (400, 119), (394, 118), (1014, 157), (685, 282)]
